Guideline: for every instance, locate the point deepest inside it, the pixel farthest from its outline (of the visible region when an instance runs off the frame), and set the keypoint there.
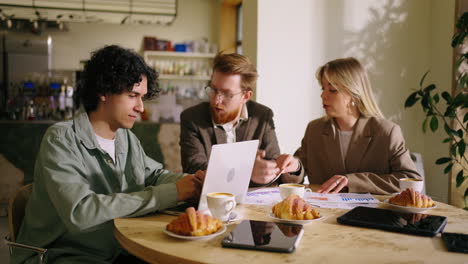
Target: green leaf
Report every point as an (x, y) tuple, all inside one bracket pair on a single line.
[(453, 150), (461, 148), (425, 101), (436, 98), (460, 133), (424, 125), (450, 131), (411, 100), (448, 168), (466, 193), (456, 40), (458, 63), (434, 123), (447, 97), (460, 178), (447, 140), (429, 88), (422, 79), (443, 160), (458, 100), (462, 81), (450, 112), (465, 118)]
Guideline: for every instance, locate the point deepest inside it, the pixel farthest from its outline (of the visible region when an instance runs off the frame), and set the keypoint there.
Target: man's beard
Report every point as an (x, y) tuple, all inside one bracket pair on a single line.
[(226, 117)]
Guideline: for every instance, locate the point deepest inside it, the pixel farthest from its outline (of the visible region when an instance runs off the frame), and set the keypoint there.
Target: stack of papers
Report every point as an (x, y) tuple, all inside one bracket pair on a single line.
[(271, 196)]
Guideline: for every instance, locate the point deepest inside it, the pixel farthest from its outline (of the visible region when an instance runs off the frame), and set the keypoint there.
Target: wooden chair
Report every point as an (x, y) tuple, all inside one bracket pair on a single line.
[(16, 211)]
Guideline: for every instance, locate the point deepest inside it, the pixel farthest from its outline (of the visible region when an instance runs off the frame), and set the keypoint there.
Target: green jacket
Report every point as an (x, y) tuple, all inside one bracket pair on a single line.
[(78, 190)]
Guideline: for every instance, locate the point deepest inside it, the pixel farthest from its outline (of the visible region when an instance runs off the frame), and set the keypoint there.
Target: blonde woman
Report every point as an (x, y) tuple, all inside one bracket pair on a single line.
[(352, 148)]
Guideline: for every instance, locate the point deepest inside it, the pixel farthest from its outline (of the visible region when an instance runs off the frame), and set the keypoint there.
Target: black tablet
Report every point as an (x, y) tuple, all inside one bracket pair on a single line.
[(409, 223), (456, 242), (267, 236)]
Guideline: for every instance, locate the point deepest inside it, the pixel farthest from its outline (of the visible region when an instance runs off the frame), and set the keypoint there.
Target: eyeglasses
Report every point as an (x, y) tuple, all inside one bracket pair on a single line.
[(213, 92)]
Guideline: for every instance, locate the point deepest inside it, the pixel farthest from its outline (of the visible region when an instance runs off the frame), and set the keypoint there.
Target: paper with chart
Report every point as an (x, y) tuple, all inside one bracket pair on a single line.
[(270, 196)]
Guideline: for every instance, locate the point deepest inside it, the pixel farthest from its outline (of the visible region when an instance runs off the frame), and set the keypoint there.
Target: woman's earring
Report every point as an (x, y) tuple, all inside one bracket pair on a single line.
[(353, 104)]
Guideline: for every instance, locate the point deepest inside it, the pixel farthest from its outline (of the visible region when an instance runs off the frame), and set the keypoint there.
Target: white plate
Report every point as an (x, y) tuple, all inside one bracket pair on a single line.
[(219, 232), (407, 209), (300, 222)]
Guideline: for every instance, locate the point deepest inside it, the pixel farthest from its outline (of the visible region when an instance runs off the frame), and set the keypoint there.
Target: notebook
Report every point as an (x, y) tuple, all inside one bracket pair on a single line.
[(229, 170)]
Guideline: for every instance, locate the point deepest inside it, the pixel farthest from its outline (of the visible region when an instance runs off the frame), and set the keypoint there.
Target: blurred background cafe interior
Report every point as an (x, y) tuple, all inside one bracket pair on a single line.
[(44, 45)]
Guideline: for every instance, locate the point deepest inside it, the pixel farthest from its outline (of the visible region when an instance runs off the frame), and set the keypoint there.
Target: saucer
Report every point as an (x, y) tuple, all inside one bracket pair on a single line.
[(300, 222), (233, 217), (217, 233), (407, 209)]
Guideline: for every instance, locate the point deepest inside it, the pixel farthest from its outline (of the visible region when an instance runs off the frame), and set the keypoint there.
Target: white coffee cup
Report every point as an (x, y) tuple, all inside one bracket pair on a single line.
[(221, 204), (287, 189), (415, 184)]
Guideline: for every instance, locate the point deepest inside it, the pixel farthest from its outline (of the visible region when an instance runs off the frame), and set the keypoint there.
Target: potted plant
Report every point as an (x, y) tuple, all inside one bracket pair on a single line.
[(451, 112)]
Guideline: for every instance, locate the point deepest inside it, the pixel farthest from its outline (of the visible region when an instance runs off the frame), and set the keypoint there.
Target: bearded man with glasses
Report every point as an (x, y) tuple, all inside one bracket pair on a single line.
[(229, 117)]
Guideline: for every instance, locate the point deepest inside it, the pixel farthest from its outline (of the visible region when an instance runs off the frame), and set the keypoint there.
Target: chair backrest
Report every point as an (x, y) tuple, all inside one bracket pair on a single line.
[(16, 210), (417, 159)]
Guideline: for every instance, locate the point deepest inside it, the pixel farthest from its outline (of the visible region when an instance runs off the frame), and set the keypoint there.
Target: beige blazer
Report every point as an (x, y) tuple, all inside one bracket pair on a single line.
[(376, 157)]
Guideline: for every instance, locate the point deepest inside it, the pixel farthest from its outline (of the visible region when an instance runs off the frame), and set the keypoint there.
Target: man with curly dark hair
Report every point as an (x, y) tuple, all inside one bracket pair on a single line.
[(92, 169)]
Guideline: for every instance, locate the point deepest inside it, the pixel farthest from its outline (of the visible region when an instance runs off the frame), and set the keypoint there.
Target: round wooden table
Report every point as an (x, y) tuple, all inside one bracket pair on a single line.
[(324, 241)]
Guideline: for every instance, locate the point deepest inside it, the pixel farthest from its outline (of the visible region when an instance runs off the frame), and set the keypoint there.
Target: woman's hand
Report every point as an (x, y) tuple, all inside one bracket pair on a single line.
[(334, 184)]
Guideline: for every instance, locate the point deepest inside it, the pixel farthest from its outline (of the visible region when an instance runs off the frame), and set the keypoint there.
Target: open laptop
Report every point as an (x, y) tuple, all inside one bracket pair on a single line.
[(229, 170)]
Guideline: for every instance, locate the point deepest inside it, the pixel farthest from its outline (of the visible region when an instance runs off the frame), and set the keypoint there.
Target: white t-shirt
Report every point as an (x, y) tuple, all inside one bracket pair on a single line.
[(345, 138), (108, 145)]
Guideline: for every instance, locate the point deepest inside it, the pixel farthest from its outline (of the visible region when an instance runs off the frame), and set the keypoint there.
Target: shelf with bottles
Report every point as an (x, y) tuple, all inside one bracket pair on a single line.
[(149, 54), (41, 96), (184, 77), (181, 65), (173, 99)]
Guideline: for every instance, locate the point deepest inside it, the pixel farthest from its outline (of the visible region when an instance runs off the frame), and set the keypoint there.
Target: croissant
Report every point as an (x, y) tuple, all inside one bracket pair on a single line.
[(193, 223), (294, 208), (410, 197)]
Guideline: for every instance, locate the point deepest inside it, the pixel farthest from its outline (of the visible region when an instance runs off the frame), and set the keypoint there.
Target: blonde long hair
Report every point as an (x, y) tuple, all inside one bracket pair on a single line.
[(348, 75)]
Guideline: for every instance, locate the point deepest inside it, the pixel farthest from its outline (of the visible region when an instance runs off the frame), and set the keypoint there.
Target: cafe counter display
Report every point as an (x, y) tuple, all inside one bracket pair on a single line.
[(20, 142), (323, 241)]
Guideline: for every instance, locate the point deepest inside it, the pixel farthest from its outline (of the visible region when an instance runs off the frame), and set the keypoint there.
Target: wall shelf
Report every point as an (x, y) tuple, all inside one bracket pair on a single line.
[(184, 77), (149, 53)]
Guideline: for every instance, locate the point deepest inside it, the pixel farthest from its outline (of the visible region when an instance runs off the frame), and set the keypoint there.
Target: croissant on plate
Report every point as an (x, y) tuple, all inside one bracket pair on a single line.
[(193, 223), (294, 208), (410, 197)]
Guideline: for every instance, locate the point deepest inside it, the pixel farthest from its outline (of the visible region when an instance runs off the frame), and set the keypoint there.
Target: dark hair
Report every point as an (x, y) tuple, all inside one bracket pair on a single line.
[(237, 64), (113, 70)]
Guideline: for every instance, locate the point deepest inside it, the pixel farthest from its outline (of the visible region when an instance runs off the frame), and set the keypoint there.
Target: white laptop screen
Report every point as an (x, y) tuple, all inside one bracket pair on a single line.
[(229, 170)]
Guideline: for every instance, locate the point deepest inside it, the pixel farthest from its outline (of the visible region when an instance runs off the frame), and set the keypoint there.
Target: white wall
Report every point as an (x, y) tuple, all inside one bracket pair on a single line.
[(285, 64), (196, 19), (440, 65), (396, 40)]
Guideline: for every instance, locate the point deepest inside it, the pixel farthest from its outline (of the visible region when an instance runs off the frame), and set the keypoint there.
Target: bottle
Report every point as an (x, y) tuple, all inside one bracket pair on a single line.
[(61, 102), (68, 100), (31, 111)]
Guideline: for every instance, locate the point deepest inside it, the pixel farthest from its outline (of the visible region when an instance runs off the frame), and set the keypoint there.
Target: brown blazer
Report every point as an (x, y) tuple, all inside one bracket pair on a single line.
[(198, 135), (376, 158)]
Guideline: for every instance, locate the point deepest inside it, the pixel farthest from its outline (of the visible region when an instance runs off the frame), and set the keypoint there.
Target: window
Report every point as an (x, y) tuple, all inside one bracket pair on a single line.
[(239, 28)]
